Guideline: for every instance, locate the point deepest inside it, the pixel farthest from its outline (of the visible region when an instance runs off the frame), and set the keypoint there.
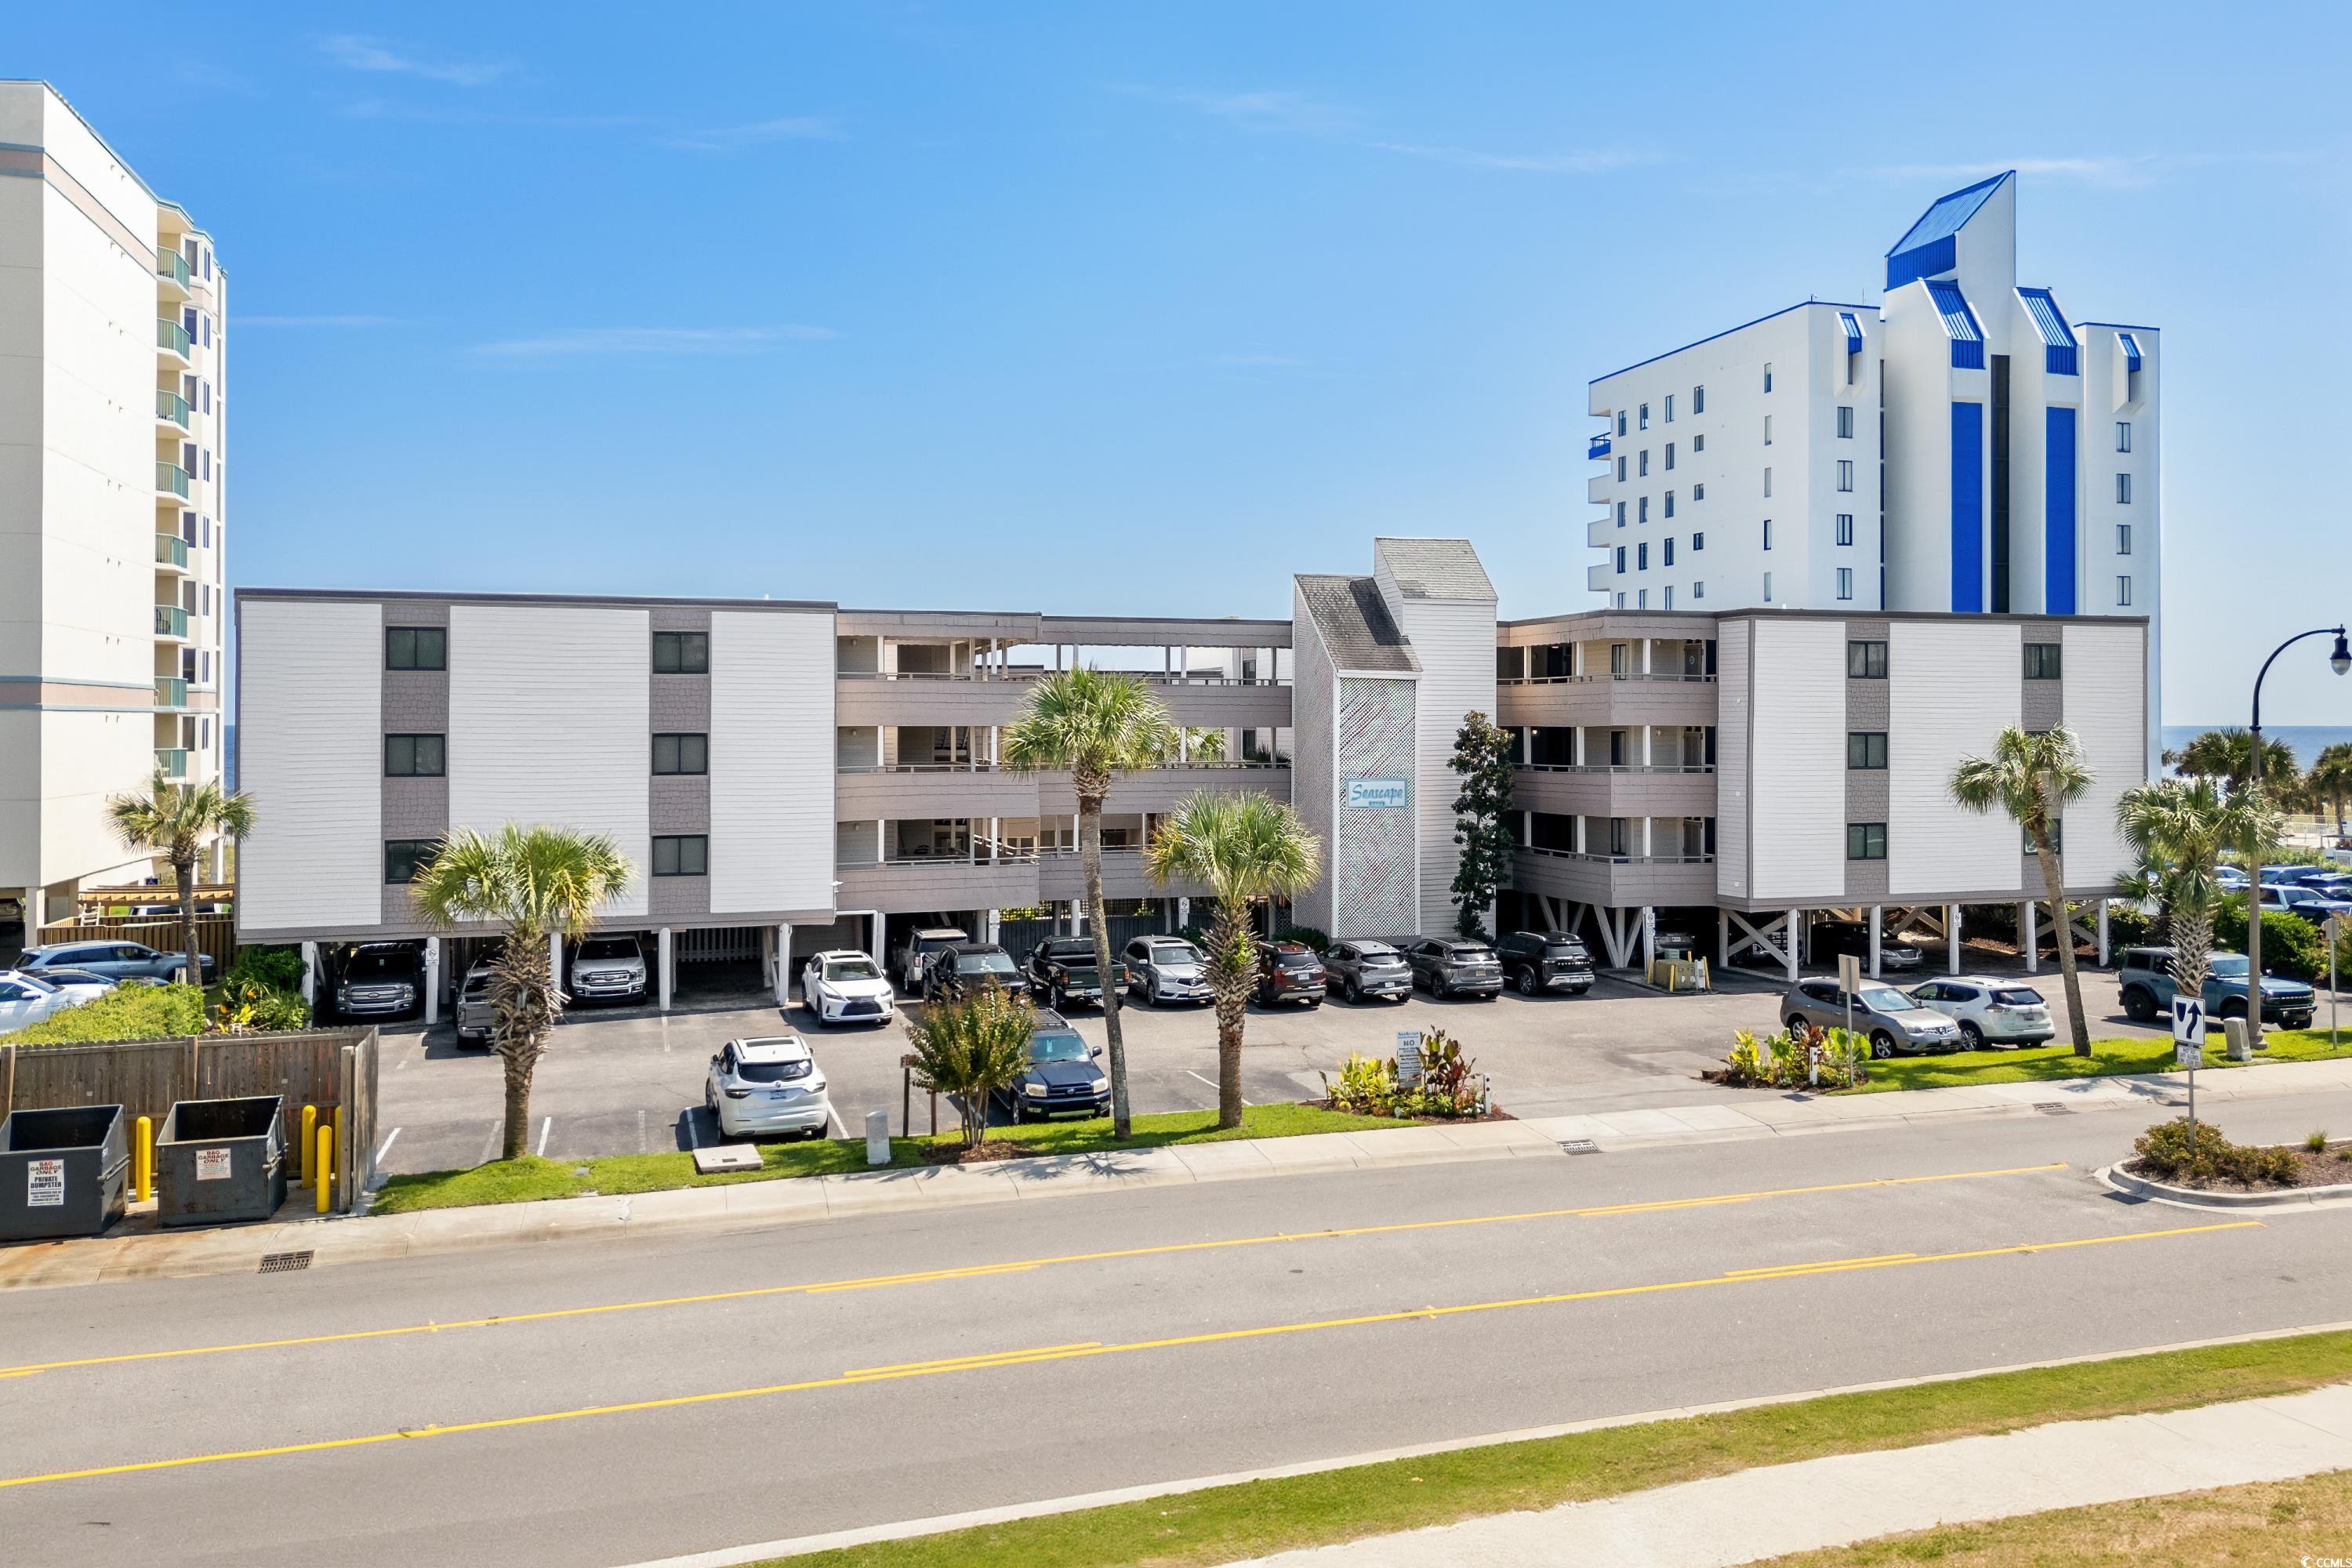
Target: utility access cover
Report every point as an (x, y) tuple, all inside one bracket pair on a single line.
[(726, 1157), (1579, 1146)]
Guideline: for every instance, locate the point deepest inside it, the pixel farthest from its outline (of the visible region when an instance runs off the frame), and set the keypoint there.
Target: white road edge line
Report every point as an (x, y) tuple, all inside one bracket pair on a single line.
[(545, 1127), (386, 1147), (734, 1556)]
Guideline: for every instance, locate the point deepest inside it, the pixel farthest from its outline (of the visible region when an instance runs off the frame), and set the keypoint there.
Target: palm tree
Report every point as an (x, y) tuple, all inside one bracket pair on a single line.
[(2228, 755), (538, 882), (1097, 725), (2330, 778), (2177, 830), (2034, 777), (174, 820), (1247, 849), (1204, 745)]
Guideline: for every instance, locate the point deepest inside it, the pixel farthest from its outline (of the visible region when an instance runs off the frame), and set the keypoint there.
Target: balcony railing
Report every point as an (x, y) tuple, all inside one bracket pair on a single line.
[(1669, 677), (171, 692), (984, 766), (171, 264), (1152, 678), (170, 479), (171, 621), (169, 334), (170, 405), (1598, 858), (1617, 767), (1598, 450), (171, 550), (172, 762)]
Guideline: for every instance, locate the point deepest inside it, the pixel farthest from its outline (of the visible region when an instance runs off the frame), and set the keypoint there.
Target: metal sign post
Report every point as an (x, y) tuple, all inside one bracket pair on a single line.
[(2334, 940), (2188, 1047)]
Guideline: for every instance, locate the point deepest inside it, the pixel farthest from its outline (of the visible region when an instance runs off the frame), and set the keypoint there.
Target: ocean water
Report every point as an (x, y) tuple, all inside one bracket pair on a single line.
[(2304, 740)]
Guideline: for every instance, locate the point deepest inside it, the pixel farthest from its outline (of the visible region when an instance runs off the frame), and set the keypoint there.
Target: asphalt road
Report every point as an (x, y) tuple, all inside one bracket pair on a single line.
[(631, 1083), (681, 1394)]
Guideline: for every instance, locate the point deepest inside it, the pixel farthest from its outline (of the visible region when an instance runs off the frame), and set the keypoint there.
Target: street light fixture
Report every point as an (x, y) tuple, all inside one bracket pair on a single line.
[(2339, 660)]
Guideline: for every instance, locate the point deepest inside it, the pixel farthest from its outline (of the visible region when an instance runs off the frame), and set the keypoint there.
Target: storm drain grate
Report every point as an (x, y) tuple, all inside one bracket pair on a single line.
[(284, 1262), (1579, 1146), (2053, 1107)]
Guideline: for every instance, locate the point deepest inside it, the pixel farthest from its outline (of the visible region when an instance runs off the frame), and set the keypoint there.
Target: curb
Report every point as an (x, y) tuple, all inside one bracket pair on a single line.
[(2336, 1195)]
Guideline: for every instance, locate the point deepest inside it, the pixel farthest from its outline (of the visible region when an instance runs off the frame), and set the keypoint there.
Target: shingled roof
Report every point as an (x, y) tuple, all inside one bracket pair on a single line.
[(1434, 568), (1355, 626)]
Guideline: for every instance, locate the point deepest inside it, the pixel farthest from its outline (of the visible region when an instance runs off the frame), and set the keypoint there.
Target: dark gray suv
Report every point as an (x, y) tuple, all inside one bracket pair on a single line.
[(1364, 970), (125, 962), (1452, 965), (1535, 962)]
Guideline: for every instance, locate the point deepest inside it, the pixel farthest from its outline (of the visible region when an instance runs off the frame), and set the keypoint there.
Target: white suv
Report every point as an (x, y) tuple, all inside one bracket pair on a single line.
[(767, 1085), (845, 986), (1989, 1011)]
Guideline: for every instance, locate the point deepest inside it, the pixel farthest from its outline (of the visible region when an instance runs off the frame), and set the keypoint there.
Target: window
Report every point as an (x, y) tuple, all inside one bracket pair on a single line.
[(403, 858), (1846, 582), (1845, 475), (1669, 557), (1621, 514), (1698, 492), (1645, 416), (1641, 558), (1698, 541), (1620, 598), (1620, 558), (1845, 528), (1670, 455), (1698, 590), (1865, 661), (681, 653), (1699, 443), (208, 394), (1767, 429), (2042, 661), (685, 855), (1767, 534), (1670, 596), (1768, 484), (1645, 468), (1670, 504), (1642, 509), (1620, 469), (415, 648), (1865, 749), (1865, 841), (1642, 599), (2122, 538), (1621, 422), (682, 753), (1698, 400), (1768, 587), (1670, 418), (2123, 435), (1768, 378), (2057, 837), (413, 756), (2123, 490), (2123, 591), (1845, 421)]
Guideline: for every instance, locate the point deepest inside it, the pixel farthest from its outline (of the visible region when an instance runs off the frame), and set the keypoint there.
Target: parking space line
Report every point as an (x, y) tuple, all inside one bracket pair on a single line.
[(544, 1128), (386, 1147), (1210, 1082)]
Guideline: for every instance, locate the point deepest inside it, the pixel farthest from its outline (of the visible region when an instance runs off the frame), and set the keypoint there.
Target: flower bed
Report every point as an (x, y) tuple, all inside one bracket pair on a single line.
[(2207, 1162)]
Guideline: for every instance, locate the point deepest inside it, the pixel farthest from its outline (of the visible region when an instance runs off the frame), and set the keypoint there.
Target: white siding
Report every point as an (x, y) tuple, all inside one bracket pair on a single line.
[(1797, 760), (1953, 686), (1731, 760), (1313, 697), (309, 745), (2106, 688), (549, 719), (1454, 641), (772, 762)]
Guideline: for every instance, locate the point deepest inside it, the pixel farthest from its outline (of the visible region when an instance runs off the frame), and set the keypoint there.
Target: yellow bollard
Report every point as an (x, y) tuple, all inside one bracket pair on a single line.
[(326, 1163), (145, 1167), (309, 1139)]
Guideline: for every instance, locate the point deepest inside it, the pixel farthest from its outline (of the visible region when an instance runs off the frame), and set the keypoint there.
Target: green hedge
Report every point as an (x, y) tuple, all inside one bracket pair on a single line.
[(126, 1013), (2291, 944)]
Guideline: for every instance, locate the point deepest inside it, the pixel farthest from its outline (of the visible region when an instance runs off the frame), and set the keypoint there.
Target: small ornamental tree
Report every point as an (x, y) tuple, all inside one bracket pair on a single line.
[(1483, 761), (969, 1049)]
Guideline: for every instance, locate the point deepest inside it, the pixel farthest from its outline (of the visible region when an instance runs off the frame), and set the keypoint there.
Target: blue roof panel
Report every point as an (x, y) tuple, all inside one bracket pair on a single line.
[(2048, 318), (1959, 320), (1946, 217)]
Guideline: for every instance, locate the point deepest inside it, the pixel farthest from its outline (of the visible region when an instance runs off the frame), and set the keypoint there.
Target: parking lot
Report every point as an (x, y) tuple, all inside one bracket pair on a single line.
[(621, 1082)]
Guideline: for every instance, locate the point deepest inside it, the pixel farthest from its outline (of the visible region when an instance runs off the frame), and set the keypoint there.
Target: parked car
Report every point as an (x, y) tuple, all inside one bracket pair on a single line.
[(916, 950), (1061, 1080), (1891, 1021), (2145, 974), (1540, 961), (474, 1019), (954, 972), (2229, 879), (843, 985), (1288, 971), (1452, 965), (120, 961), (379, 979), (2296, 899), (607, 969), (1989, 1011), (1366, 969), (1840, 937), (1062, 970), (1165, 969), (2292, 876), (767, 1085), (26, 999)]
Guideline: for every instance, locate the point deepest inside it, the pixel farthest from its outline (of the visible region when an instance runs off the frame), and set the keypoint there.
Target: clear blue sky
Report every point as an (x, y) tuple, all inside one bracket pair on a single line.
[(976, 307)]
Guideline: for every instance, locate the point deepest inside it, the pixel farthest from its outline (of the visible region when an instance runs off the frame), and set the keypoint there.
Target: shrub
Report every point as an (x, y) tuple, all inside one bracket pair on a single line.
[(970, 1048), (2317, 1141), (126, 1013), (1787, 1061), (2128, 926), (1448, 1086), (1366, 1086), (245, 1007), (1305, 936), (2291, 944), (2173, 1151), (279, 968)]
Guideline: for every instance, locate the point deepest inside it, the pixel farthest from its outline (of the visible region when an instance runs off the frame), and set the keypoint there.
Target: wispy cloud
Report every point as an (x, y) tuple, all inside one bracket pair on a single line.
[(1281, 111), (2112, 172), (651, 340), (359, 52), (1592, 160), (316, 321), (734, 138)]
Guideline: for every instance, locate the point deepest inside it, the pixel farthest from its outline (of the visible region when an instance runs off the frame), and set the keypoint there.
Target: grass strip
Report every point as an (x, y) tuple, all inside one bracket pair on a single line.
[(2269, 1522), (532, 1179), (2037, 1064), (1221, 1524)]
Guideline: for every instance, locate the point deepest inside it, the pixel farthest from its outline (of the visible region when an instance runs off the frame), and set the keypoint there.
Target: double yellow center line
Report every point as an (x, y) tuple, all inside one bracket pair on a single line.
[(987, 1361)]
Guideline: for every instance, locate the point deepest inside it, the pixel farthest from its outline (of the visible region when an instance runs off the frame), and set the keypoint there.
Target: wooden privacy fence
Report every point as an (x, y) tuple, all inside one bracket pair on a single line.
[(215, 934), (330, 1069)]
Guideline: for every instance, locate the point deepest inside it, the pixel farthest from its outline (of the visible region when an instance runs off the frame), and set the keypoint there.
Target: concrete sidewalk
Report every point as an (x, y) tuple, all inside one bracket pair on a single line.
[(753, 1205), (1760, 1513)]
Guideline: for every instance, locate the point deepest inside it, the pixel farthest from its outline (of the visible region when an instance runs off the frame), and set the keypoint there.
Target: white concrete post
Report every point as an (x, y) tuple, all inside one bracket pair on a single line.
[(1952, 938), (1649, 938), (1878, 912), (1183, 913), (2029, 941), (783, 966), (309, 971), (665, 957), (555, 958), (432, 981), (1791, 943), (2102, 933), (1723, 939), (994, 916)]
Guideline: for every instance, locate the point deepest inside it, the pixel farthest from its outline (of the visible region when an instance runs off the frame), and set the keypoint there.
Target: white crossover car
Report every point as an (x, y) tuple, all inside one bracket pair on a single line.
[(1989, 1011), (768, 1085), (845, 986), (26, 999)]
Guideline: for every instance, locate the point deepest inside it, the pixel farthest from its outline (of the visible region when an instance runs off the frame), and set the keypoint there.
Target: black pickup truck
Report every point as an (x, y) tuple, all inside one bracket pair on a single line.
[(1062, 970)]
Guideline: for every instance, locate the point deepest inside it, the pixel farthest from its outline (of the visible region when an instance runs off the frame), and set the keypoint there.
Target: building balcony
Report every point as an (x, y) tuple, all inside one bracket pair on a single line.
[(1662, 789), (1601, 532), (918, 884), (174, 277), (172, 762), (172, 621), (912, 791), (171, 340), (171, 692), (170, 479), (1616, 881), (1598, 450), (1614, 701), (1599, 489), (1600, 578), (171, 408), (924, 698), (171, 553), (1061, 876)]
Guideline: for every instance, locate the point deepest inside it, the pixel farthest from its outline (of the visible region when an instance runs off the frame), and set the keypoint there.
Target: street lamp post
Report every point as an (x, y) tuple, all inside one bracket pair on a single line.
[(2339, 660)]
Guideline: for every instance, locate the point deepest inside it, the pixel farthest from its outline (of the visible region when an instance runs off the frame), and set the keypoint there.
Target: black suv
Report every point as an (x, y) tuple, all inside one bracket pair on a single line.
[(1854, 936), (1288, 971), (1540, 961), (961, 968), (1062, 970)]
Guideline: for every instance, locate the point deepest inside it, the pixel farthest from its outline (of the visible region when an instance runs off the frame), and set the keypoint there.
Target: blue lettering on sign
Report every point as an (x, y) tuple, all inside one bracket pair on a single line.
[(1377, 793)]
